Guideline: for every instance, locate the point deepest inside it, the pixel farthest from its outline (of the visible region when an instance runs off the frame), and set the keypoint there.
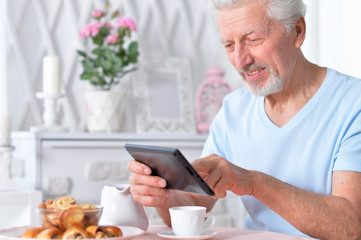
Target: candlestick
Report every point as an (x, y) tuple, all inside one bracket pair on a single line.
[(4, 130), (51, 75), (50, 113), (6, 183)]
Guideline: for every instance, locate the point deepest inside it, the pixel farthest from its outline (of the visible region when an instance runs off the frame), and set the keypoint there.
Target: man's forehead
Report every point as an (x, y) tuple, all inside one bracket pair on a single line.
[(241, 34)]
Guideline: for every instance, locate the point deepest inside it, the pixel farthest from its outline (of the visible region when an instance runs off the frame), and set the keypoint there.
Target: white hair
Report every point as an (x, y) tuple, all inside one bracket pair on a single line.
[(285, 11)]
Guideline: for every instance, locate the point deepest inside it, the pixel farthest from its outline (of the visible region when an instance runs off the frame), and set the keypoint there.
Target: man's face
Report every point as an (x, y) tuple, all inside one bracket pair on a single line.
[(257, 47)]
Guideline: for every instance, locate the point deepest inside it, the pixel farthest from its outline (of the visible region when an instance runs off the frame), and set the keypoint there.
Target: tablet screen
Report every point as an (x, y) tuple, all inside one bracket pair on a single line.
[(170, 164)]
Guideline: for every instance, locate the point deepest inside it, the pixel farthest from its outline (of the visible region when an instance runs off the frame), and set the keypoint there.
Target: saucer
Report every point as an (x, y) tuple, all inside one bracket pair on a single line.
[(168, 234)]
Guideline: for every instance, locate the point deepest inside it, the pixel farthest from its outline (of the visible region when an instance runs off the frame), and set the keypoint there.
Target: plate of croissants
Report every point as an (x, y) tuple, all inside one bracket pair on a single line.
[(64, 218)]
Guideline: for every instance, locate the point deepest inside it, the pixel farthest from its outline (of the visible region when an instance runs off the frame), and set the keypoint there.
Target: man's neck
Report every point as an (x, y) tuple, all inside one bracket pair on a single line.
[(283, 106)]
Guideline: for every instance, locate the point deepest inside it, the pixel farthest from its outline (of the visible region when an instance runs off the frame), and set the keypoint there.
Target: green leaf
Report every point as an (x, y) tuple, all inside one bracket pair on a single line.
[(82, 53), (97, 63), (104, 31), (117, 65), (133, 58), (98, 51), (133, 52), (88, 68), (107, 65), (117, 60), (121, 53), (117, 68), (94, 82), (101, 81), (133, 47), (86, 76), (115, 14), (108, 53), (98, 39)]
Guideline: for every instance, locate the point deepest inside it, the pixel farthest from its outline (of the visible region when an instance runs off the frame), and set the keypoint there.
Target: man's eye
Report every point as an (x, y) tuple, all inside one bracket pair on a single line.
[(228, 46), (255, 41)]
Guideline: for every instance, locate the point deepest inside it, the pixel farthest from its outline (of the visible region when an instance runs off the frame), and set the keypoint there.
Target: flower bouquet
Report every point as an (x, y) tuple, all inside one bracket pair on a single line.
[(113, 53)]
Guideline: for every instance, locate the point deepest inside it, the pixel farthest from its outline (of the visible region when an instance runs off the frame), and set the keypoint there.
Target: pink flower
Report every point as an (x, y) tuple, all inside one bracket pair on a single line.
[(95, 28), (98, 14), (92, 29), (112, 39), (127, 23), (85, 31)]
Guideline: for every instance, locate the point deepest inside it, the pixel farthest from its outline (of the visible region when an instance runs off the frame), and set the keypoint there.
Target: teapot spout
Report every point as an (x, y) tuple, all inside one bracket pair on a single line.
[(121, 187)]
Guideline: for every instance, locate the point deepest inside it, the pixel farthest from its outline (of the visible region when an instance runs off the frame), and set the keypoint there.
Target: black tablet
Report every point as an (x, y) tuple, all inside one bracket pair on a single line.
[(170, 164)]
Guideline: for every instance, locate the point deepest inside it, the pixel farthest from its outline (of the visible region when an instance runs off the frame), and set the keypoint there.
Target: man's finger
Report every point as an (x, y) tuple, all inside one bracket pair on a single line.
[(148, 191), (140, 168), (205, 164), (154, 181)]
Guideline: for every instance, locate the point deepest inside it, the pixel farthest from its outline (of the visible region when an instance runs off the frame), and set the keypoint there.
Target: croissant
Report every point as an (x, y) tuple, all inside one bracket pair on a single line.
[(63, 218), (97, 232), (72, 217), (113, 231), (49, 203), (63, 203), (86, 206), (75, 233), (32, 232), (50, 233)]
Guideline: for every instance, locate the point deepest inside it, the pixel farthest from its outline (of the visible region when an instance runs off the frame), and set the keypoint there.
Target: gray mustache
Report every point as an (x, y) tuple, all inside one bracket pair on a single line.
[(252, 66)]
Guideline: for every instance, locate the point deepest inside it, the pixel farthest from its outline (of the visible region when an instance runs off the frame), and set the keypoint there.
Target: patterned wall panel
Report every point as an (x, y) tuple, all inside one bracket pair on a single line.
[(35, 28)]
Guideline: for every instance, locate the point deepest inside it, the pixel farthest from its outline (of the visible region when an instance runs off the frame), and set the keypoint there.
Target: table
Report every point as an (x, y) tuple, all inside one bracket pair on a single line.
[(224, 233)]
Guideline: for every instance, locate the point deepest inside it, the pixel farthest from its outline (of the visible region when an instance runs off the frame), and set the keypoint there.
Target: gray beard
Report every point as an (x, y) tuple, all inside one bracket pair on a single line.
[(273, 85)]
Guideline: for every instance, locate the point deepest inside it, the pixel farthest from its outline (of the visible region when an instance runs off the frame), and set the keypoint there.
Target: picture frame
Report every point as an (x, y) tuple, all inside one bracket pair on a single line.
[(164, 96)]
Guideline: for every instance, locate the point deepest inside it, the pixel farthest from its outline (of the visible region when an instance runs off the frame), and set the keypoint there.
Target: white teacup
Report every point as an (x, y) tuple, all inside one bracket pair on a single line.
[(190, 221)]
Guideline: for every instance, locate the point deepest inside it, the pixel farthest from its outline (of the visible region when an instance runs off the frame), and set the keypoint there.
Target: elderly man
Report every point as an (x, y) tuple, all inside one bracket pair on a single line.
[(290, 146)]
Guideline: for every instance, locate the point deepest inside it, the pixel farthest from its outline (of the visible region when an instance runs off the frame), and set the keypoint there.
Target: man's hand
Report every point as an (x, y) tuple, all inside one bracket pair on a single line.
[(150, 190), (222, 175), (146, 189)]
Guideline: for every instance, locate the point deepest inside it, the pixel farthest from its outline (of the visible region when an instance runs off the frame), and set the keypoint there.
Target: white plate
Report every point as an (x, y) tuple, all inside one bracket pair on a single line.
[(168, 234), (16, 232)]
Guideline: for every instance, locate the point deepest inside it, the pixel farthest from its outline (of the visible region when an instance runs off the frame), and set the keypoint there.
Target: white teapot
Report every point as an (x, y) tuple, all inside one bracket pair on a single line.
[(120, 209)]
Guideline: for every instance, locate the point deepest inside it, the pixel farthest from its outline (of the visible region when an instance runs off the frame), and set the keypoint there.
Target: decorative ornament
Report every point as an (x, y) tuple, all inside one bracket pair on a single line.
[(209, 98)]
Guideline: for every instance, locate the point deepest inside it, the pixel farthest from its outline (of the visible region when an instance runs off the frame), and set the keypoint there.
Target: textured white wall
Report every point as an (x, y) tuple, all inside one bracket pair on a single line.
[(35, 28), (3, 82), (178, 28), (333, 38)]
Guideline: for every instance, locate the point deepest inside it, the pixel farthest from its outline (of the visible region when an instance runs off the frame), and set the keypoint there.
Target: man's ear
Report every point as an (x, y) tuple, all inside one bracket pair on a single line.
[(300, 32)]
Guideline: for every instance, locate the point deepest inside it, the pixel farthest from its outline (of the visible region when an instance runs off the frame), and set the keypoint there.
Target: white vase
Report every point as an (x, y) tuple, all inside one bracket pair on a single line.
[(105, 110)]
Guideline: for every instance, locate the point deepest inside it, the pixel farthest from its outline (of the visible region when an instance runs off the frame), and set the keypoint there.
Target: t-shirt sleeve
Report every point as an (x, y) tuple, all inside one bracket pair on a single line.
[(216, 138), (348, 157)]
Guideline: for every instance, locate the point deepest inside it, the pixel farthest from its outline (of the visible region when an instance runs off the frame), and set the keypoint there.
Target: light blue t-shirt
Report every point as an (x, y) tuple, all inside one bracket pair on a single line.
[(324, 136)]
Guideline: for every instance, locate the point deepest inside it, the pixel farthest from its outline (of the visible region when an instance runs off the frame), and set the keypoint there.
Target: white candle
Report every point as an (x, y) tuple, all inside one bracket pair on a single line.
[(51, 75), (4, 130)]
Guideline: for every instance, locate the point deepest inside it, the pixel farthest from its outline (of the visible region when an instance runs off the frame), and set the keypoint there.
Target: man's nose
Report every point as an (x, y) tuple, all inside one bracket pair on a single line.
[(242, 57)]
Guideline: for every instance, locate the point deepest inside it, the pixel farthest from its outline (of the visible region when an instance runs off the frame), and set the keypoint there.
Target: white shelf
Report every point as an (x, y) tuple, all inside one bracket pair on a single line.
[(108, 136), (6, 149)]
